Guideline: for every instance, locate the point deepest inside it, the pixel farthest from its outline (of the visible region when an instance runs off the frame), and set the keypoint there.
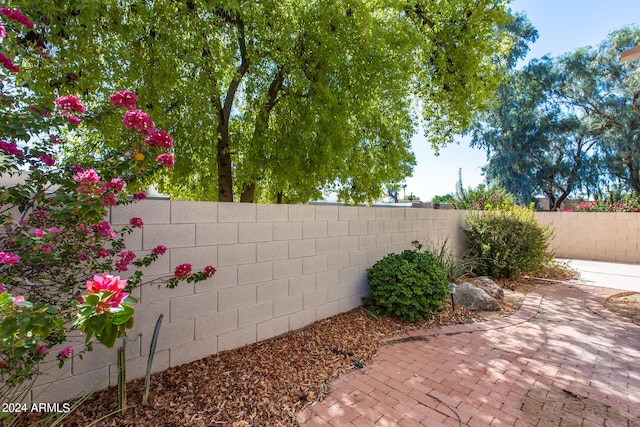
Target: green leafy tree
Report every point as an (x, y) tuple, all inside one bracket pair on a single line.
[(280, 101), (566, 125), (535, 144), (605, 91)]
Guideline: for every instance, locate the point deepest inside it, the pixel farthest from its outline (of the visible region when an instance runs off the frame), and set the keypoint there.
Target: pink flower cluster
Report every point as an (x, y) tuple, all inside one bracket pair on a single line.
[(125, 258), (17, 16), (141, 121), (160, 139), (124, 99), (65, 353), (138, 120), (104, 229), (9, 148), (9, 258), (166, 159), (136, 222), (8, 64), (159, 250), (46, 159), (182, 271), (90, 183), (108, 283), (70, 103)]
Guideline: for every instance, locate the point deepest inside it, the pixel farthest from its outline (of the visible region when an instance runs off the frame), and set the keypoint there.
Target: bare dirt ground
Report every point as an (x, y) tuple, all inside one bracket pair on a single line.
[(267, 383)]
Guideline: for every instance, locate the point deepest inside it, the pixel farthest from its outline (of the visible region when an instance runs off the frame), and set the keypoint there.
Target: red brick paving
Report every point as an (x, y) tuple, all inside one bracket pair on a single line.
[(561, 360)]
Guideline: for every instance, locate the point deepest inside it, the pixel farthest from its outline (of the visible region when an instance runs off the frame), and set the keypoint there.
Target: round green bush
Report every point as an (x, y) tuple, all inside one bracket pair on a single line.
[(409, 285), (507, 243)]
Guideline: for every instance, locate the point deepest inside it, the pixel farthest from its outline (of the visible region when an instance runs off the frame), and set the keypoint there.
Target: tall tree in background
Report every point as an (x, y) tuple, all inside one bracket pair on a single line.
[(606, 92), (279, 100), (566, 125), (535, 144)]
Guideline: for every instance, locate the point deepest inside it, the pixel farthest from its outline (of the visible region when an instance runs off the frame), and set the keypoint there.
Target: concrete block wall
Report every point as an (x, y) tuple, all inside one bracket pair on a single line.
[(279, 268), (600, 236)]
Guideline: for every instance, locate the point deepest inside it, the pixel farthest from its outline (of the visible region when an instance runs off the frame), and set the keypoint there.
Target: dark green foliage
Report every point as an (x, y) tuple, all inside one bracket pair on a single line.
[(409, 285), (507, 243)]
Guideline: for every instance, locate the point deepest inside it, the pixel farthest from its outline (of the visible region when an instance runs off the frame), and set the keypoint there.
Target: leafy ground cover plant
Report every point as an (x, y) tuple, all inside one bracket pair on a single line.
[(57, 250), (506, 243), (410, 285)]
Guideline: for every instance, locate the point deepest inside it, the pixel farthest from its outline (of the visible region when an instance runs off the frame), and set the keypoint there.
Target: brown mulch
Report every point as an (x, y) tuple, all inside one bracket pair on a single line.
[(626, 304), (267, 383)]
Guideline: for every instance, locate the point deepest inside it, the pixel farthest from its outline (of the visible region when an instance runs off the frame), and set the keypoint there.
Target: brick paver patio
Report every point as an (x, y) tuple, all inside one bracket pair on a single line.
[(561, 360)]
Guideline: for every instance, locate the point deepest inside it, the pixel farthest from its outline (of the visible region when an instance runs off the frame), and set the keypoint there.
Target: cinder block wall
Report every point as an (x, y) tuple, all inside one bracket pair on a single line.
[(280, 267), (601, 236)]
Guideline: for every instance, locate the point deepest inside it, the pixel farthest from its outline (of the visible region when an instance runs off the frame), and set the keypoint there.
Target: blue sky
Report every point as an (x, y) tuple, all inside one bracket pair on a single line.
[(563, 26)]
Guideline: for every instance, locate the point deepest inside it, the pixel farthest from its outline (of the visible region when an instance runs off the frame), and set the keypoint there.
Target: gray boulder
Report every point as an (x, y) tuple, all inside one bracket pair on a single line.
[(489, 286), (474, 298)]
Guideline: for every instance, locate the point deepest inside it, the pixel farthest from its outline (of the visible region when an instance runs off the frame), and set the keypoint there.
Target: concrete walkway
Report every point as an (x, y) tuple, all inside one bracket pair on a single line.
[(561, 360)]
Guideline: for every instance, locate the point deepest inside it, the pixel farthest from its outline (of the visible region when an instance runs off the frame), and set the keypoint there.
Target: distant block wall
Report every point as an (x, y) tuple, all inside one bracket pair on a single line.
[(601, 236), (280, 268)]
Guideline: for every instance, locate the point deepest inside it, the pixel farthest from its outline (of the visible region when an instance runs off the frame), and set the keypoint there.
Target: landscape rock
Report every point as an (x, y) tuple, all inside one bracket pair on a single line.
[(489, 286), (474, 298)]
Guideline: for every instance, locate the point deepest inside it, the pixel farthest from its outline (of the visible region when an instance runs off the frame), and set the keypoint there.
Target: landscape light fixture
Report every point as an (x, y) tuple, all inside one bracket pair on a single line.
[(629, 54), (452, 290)]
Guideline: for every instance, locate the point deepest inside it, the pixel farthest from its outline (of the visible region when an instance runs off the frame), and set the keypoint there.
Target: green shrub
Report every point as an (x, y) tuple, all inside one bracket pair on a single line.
[(492, 197), (506, 243), (409, 285)]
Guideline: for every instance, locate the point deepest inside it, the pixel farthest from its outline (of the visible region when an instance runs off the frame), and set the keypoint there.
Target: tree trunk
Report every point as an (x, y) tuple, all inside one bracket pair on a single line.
[(225, 173), (248, 193)]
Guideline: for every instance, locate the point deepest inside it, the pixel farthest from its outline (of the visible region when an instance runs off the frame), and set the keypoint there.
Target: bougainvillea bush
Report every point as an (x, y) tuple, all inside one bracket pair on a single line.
[(59, 257), (628, 205)]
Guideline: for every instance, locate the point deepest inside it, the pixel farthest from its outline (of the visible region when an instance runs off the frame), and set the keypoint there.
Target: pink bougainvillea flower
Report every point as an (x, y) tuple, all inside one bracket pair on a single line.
[(138, 120), (109, 200), (3, 32), (160, 139), (54, 230), (165, 159), (159, 250), (82, 256), (136, 222), (65, 353), (124, 99), (18, 299), (104, 229), (105, 282), (38, 233), (139, 196), (3, 288), (10, 148), (116, 298), (74, 120), (79, 299), (117, 185), (125, 258), (103, 253), (8, 64), (17, 16), (86, 176), (41, 214), (42, 349), (70, 103), (209, 270), (46, 249), (183, 270), (9, 258)]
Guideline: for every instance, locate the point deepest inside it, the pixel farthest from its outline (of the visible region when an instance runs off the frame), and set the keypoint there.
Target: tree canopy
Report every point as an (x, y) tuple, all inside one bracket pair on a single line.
[(567, 125), (279, 100)]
